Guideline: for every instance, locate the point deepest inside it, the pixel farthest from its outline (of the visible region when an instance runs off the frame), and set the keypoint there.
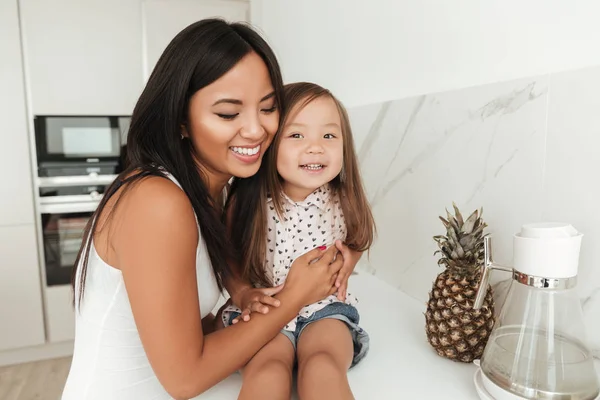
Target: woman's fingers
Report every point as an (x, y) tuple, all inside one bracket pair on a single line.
[(333, 279), (312, 276), (330, 254), (332, 290), (314, 255), (336, 265), (324, 256)]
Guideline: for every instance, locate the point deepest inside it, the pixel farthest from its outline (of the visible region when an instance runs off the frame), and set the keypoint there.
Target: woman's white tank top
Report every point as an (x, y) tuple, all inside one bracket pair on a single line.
[(109, 361)]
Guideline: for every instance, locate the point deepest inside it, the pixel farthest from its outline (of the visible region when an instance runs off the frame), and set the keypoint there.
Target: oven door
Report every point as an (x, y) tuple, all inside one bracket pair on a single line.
[(63, 226)]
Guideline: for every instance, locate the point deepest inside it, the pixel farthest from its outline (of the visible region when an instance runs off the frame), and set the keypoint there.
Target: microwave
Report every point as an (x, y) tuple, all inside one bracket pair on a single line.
[(75, 146)]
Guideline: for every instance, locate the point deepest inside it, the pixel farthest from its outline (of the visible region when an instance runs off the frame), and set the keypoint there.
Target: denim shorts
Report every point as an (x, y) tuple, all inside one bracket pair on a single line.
[(341, 311)]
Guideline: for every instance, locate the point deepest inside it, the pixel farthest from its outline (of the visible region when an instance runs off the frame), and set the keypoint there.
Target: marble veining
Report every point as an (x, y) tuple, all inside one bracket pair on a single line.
[(509, 147)]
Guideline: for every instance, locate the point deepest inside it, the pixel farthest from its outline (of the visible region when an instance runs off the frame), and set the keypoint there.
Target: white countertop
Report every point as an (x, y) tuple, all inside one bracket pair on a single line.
[(400, 362)]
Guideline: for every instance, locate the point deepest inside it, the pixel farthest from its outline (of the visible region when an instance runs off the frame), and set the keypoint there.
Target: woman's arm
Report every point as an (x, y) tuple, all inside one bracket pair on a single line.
[(155, 239)]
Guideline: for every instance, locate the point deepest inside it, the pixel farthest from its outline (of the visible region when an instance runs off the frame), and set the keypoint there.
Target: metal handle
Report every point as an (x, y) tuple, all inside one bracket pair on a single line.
[(77, 180), (68, 208), (486, 271)]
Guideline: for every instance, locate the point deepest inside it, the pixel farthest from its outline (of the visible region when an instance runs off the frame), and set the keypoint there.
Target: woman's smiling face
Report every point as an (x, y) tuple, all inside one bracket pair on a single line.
[(233, 120)]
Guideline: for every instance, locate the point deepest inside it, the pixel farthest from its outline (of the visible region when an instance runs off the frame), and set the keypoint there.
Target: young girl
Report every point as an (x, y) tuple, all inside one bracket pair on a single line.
[(312, 196)]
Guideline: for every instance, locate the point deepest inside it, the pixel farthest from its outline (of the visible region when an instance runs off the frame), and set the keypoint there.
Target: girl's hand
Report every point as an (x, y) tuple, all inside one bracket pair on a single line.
[(351, 258), (251, 300), (312, 275), (212, 323)]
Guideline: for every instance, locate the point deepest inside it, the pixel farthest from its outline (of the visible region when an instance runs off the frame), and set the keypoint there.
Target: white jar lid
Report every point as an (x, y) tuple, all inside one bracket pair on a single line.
[(548, 250)]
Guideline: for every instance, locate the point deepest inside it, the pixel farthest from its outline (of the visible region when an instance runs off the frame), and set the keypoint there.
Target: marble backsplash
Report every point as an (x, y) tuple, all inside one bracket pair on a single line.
[(524, 150)]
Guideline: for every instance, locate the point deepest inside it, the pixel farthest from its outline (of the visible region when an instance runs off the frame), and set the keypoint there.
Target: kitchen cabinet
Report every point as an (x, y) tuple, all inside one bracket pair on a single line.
[(60, 314), (21, 315), (83, 57), (164, 19), (16, 192)]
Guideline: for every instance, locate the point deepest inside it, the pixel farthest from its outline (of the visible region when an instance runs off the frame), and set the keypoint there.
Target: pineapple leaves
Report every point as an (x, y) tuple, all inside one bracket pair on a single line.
[(446, 223), (453, 237), (461, 249), (479, 228), (453, 223), (459, 217), (470, 222)]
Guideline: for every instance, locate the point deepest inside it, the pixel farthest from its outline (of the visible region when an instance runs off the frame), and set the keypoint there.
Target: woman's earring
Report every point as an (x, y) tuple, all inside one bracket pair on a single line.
[(183, 128)]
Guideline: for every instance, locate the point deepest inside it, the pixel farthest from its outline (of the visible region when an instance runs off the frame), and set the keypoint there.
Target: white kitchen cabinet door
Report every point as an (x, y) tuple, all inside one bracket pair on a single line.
[(16, 192), (21, 315), (60, 314), (83, 57), (164, 19)]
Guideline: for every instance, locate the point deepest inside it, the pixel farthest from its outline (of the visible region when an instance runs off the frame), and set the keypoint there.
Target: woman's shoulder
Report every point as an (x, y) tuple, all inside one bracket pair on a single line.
[(145, 210), (157, 197)]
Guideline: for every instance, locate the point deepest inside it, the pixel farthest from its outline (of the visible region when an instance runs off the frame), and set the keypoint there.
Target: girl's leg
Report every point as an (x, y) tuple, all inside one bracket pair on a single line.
[(325, 352), (268, 375)]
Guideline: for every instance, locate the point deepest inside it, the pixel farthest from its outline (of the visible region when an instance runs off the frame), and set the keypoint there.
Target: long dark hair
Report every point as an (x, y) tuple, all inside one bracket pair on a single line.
[(348, 187), (195, 58)]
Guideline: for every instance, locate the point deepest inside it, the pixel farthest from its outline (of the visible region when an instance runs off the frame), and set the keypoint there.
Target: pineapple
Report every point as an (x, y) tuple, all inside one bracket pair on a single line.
[(453, 328)]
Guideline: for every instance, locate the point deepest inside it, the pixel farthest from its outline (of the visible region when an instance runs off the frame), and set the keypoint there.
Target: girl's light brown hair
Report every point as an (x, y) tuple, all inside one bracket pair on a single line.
[(348, 186)]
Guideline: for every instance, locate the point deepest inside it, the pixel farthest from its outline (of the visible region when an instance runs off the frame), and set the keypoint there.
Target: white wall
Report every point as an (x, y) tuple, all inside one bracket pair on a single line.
[(524, 150), (377, 50), (163, 20)]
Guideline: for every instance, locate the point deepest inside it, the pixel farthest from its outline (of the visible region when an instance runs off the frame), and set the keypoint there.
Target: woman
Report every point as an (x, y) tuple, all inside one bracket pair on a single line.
[(155, 258)]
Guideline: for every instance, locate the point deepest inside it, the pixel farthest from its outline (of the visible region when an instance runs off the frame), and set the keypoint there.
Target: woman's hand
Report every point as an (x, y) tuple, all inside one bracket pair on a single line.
[(312, 275), (351, 258), (251, 300)]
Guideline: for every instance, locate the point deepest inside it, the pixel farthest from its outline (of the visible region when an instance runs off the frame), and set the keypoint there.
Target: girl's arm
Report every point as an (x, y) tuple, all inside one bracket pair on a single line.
[(155, 237), (235, 285), (250, 299)]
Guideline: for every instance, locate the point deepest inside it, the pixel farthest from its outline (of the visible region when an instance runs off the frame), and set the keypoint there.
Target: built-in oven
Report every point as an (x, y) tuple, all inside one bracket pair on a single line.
[(64, 212), (77, 158)]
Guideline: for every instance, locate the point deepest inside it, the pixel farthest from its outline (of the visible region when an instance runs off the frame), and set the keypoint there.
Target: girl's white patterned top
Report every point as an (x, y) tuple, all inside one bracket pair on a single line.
[(316, 221)]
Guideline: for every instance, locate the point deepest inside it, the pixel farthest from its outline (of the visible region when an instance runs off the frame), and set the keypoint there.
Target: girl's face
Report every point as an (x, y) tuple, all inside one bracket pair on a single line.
[(310, 152), (233, 120)]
